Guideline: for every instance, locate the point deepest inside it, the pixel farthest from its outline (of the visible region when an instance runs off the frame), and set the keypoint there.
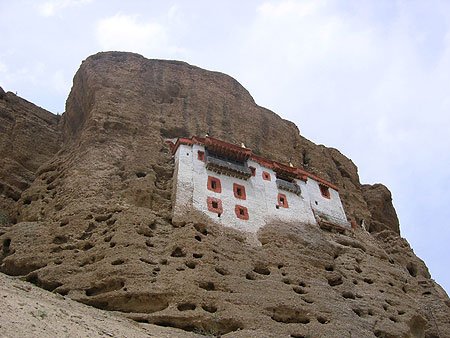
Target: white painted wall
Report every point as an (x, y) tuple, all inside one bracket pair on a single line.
[(191, 192)]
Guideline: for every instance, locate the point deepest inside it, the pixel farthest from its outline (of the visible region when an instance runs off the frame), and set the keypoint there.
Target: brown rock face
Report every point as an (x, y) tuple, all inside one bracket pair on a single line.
[(29, 137), (95, 224), (379, 201)]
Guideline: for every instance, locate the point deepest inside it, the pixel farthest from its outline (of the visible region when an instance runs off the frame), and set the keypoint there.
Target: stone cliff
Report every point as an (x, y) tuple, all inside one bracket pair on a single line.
[(91, 217)]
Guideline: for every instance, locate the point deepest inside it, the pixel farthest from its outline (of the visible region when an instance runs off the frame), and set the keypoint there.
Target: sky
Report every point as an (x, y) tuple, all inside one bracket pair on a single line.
[(370, 78)]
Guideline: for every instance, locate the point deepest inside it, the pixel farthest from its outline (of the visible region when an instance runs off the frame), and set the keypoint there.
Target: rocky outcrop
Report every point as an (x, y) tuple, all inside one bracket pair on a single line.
[(29, 137), (379, 201), (95, 223)]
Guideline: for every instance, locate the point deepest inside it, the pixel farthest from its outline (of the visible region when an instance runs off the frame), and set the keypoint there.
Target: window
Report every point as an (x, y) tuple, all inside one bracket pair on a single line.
[(241, 212), (215, 205), (214, 184), (201, 155), (266, 176), (239, 191), (325, 191), (282, 201), (253, 170)]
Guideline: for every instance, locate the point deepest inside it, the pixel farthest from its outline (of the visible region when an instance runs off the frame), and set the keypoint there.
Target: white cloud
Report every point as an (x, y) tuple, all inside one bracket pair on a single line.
[(52, 7), (128, 33)]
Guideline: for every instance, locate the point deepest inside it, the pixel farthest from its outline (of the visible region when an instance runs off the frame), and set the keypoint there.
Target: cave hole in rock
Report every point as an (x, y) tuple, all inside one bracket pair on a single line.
[(401, 312), (140, 174), (359, 312), (404, 289), (118, 262), (6, 246), (412, 269), (149, 244), (191, 265), (358, 269), (385, 307), (64, 222), (88, 246), (147, 261), (107, 239), (198, 238), (112, 244), (308, 300), (60, 239), (215, 328), (186, 306), (163, 261), (294, 335), (44, 284), (302, 284), (197, 255), (102, 218), (392, 318), (178, 252), (262, 270), (370, 312), (105, 286), (208, 286), (335, 280), (286, 281), (322, 320), (348, 295), (299, 290), (329, 268), (209, 308), (280, 266), (391, 284), (284, 314), (426, 293), (221, 270), (368, 280), (250, 276), (202, 228), (355, 282), (111, 221)]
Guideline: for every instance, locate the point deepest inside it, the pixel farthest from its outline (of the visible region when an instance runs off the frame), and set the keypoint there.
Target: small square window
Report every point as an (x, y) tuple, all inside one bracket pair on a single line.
[(241, 212), (214, 184), (325, 191), (266, 176), (282, 201), (239, 191), (214, 205), (201, 155)]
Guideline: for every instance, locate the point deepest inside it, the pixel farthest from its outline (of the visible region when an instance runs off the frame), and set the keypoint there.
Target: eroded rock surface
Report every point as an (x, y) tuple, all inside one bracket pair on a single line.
[(95, 222)]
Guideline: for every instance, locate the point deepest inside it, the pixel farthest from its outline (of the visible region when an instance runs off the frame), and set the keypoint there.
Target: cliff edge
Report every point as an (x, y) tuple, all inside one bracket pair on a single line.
[(94, 222)]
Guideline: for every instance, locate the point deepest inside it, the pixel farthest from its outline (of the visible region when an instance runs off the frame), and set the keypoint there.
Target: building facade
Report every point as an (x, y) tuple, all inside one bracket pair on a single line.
[(233, 187)]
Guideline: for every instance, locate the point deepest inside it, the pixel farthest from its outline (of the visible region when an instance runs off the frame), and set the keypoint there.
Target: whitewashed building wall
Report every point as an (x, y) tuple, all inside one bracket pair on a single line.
[(191, 192)]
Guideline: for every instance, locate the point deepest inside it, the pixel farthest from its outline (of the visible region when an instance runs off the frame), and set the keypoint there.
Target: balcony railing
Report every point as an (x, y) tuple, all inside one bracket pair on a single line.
[(229, 168), (288, 186)]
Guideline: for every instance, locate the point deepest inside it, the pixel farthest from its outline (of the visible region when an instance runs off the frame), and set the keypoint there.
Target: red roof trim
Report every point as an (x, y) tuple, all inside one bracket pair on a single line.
[(247, 153)]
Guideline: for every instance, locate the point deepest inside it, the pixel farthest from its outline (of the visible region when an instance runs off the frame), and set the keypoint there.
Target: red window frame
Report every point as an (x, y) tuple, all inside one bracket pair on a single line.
[(241, 212), (325, 191), (266, 176), (236, 188), (215, 205), (282, 201), (201, 155), (214, 184)]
